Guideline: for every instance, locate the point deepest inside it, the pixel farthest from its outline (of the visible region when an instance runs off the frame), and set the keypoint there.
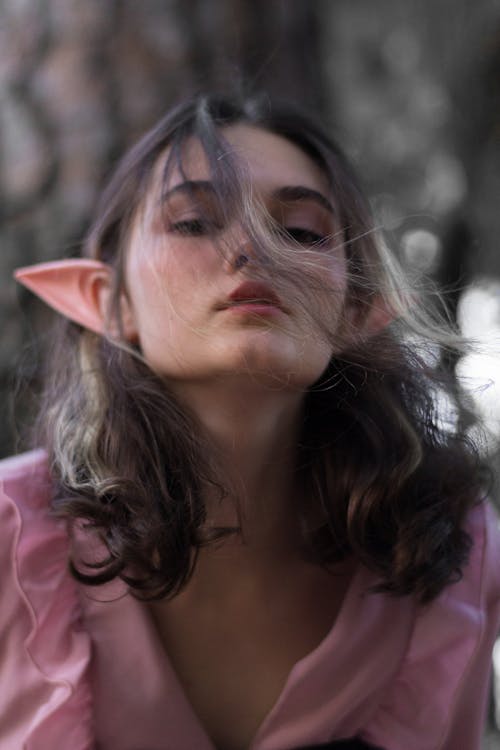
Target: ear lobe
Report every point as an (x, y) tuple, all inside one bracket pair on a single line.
[(127, 320), (77, 288), (379, 316)]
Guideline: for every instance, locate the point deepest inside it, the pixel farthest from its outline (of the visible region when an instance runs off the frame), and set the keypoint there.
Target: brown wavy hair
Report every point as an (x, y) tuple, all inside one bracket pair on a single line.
[(386, 475)]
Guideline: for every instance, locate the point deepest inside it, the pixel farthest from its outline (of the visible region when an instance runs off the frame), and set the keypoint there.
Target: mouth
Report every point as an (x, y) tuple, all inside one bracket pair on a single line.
[(253, 295)]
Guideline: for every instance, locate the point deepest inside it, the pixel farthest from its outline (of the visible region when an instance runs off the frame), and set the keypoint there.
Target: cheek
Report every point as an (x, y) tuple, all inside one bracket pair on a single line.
[(331, 306), (170, 289), (174, 266), (331, 278), (153, 277), (338, 277), (335, 269)]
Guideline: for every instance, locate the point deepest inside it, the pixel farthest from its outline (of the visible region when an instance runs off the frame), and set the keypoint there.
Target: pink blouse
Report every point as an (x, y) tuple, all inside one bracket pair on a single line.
[(84, 668)]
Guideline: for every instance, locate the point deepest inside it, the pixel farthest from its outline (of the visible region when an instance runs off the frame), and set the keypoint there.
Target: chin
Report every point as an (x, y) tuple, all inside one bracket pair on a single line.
[(272, 362), (278, 369)]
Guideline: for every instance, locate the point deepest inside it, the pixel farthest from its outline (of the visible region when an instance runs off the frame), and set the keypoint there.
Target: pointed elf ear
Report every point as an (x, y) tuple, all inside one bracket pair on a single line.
[(379, 317), (77, 288)]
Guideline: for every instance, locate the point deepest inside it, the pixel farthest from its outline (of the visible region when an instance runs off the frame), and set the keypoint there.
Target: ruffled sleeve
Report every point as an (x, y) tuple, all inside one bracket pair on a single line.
[(438, 700), (45, 653)]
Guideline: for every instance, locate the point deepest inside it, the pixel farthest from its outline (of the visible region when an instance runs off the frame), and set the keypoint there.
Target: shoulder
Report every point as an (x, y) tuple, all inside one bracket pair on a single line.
[(478, 590), (22, 463), (25, 491), (17, 472), (438, 699), (485, 532), (46, 651)]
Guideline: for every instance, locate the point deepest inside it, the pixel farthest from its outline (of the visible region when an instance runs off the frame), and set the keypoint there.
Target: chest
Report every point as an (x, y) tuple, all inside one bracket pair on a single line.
[(233, 660)]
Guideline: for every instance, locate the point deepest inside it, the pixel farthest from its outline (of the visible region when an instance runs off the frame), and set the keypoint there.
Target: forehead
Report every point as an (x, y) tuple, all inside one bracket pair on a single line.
[(270, 161)]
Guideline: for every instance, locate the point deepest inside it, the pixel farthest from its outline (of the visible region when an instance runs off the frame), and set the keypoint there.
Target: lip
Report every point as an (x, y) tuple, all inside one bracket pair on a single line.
[(253, 295)]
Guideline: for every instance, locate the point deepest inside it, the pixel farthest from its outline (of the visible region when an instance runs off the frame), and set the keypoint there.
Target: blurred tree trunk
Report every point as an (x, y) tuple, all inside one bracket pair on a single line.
[(473, 76)]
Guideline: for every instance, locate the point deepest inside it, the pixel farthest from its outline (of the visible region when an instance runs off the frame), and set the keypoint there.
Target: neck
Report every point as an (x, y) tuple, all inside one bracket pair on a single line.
[(254, 436)]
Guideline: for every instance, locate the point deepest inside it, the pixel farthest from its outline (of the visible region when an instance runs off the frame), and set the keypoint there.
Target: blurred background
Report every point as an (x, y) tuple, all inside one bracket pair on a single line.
[(410, 88)]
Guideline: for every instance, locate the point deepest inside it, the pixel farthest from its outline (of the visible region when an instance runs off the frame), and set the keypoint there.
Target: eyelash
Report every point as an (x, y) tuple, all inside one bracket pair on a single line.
[(201, 227), (194, 227), (303, 236)]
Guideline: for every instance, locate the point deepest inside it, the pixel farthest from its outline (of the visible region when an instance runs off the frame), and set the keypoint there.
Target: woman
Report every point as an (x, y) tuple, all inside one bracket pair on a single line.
[(275, 540)]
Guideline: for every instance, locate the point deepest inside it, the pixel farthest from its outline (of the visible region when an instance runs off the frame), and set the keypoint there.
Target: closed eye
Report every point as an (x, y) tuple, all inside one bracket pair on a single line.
[(195, 227), (304, 236)]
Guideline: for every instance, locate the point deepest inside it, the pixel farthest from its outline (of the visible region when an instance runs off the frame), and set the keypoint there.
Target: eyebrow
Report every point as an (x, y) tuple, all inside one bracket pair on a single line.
[(286, 194), (189, 187), (296, 193)]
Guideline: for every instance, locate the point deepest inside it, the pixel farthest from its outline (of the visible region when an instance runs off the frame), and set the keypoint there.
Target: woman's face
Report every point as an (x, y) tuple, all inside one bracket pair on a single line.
[(197, 315)]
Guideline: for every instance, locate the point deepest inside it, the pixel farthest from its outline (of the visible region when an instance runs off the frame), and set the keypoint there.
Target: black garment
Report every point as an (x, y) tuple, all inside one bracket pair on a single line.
[(343, 745)]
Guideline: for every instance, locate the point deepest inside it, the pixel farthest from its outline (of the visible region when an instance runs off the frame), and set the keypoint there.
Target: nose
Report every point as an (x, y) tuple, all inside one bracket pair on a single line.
[(239, 252), (241, 260)]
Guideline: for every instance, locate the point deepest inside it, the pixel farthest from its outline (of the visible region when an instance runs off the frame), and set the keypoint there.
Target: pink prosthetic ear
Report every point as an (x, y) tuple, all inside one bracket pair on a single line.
[(379, 317), (77, 288)]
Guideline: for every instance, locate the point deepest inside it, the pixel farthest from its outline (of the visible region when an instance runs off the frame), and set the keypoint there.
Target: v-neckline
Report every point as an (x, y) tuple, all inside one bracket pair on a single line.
[(301, 666), (140, 701)]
